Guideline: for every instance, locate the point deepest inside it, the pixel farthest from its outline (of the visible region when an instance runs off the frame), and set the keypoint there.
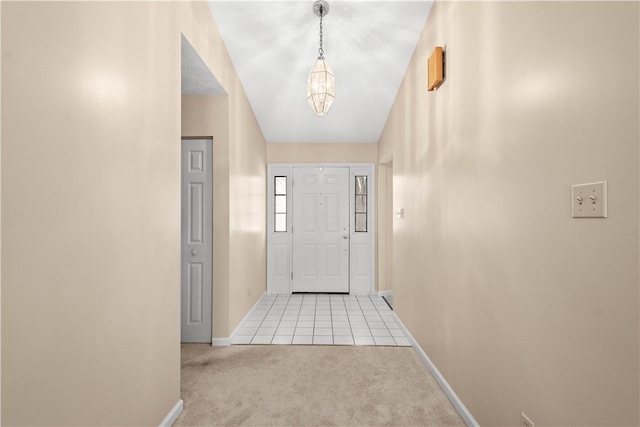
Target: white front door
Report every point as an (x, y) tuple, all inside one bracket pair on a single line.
[(196, 240), (321, 229)]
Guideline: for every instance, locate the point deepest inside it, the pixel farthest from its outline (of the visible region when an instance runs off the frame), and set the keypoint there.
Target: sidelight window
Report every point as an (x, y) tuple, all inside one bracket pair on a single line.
[(361, 203), (280, 204)]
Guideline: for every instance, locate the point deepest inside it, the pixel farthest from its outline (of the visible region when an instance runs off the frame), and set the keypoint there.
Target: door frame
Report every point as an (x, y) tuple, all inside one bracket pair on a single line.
[(279, 244)]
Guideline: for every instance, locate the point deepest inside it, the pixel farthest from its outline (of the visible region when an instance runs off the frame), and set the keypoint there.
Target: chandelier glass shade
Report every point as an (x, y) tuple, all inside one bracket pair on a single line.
[(321, 83), (321, 88)]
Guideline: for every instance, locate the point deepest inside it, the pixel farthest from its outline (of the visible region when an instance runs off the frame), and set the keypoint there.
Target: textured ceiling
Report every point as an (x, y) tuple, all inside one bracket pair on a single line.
[(196, 76), (274, 44)]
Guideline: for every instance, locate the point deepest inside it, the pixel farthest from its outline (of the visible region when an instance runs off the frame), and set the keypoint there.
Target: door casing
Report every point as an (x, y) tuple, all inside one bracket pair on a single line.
[(362, 245)]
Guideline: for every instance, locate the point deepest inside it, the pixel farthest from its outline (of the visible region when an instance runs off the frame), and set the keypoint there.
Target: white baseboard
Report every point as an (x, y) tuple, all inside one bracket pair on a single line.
[(173, 414), (220, 342), (453, 397), (223, 342), (387, 293)]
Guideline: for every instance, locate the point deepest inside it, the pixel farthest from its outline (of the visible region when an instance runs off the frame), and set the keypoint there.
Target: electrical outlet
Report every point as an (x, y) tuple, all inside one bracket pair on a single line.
[(525, 421)]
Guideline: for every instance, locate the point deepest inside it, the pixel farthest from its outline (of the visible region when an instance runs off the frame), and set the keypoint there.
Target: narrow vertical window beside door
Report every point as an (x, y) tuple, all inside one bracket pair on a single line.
[(361, 204), (280, 205)]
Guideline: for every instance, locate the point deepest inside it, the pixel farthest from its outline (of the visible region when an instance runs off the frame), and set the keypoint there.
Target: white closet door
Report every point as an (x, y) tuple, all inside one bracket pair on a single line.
[(196, 240)]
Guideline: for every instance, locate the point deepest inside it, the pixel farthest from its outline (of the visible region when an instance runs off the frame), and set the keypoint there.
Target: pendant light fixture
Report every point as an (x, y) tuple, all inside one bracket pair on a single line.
[(321, 84)]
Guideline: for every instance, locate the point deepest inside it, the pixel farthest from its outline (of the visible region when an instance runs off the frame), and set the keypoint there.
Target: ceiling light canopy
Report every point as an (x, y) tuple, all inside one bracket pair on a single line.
[(321, 83)]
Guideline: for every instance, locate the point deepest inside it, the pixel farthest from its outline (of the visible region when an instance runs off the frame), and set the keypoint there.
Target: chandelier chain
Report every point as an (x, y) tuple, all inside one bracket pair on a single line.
[(321, 50)]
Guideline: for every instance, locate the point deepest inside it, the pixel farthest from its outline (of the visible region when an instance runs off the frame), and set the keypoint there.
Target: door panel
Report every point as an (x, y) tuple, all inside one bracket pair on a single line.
[(332, 206), (196, 210), (310, 213), (321, 229), (310, 266), (333, 260), (281, 264), (196, 247), (195, 293), (361, 255)]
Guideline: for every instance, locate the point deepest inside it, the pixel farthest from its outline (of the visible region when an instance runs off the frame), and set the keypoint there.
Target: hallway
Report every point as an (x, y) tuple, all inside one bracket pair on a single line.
[(321, 319), (515, 304)]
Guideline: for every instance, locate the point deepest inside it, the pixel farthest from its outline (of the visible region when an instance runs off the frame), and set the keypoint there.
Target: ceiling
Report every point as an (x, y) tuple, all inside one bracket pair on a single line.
[(197, 79), (274, 44)]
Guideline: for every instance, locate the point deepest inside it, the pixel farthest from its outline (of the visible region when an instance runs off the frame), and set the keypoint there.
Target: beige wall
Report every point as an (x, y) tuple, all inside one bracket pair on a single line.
[(386, 215), (388, 231), (238, 281), (248, 212), (91, 207), (91, 218), (382, 245), (384, 231), (247, 258), (321, 153), (521, 307), (208, 115)]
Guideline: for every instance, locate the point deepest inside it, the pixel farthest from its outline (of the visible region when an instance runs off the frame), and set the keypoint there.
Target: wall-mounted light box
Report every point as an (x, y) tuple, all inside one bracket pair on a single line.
[(435, 69)]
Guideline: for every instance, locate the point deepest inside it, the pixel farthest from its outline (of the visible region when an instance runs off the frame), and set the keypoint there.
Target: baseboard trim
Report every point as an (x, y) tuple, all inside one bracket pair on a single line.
[(387, 293), (220, 342), (444, 385), (173, 414), (223, 342)]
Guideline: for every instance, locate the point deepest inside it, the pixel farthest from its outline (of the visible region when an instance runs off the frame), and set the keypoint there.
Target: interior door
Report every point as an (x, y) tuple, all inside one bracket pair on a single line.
[(320, 229), (196, 240)]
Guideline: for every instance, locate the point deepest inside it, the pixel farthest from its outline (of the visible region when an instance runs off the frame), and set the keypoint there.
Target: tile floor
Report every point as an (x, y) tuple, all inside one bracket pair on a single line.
[(321, 319)]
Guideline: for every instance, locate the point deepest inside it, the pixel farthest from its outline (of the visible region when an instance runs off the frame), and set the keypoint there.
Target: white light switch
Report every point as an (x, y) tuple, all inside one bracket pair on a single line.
[(400, 213), (589, 200)]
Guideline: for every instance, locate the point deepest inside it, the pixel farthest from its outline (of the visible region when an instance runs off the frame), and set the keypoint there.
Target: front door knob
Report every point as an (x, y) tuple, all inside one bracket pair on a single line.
[(194, 252)]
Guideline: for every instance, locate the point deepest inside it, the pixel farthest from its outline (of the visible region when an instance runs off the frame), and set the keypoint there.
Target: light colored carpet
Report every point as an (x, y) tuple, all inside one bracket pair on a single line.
[(310, 386)]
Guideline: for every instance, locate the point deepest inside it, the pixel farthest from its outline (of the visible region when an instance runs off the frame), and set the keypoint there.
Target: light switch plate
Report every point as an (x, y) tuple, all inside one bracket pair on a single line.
[(589, 200)]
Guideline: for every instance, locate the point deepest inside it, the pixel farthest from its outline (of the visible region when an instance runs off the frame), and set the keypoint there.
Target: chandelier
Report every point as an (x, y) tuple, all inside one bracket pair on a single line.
[(321, 83)]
